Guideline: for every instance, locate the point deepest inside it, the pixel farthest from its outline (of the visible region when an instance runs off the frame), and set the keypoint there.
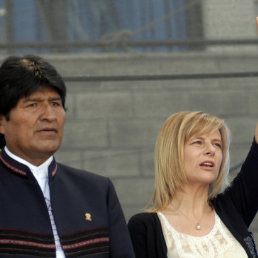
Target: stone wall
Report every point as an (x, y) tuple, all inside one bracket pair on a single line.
[(112, 125)]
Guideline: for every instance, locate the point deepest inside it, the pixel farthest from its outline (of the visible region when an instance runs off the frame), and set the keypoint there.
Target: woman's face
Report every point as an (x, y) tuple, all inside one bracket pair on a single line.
[(203, 157)]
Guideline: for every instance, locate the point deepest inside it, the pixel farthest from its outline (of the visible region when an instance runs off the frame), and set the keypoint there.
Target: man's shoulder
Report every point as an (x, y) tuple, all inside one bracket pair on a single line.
[(79, 174)]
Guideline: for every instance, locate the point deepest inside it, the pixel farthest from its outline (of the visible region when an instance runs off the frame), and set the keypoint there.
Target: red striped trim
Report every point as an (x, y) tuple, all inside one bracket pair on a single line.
[(21, 172), (87, 243), (26, 243), (22, 232)]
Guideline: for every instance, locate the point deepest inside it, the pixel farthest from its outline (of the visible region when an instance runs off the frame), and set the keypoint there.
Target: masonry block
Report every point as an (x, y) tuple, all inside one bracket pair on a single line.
[(220, 20), (72, 158), (147, 162), (242, 128), (104, 105), (158, 103), (134, 132), (70, 107), (221, 102), (112, 163), (253, 103), (85, 134), (239, 151), (236, 63), (135, 191)]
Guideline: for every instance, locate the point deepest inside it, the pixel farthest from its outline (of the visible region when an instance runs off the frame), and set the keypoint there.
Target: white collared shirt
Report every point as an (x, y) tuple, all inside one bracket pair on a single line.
[(41, 175)]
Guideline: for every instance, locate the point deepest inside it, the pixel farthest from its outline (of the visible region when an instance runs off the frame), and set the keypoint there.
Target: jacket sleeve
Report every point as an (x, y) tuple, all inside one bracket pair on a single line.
[(244, 190), (120, 242), (138, 233), (147, 236)]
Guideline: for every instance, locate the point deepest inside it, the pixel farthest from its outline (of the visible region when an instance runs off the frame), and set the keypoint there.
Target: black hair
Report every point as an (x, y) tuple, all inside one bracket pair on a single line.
[(22, 76)]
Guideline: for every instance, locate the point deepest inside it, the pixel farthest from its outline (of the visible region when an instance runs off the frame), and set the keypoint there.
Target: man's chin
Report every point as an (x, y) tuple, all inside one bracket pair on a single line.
[(48, 150)]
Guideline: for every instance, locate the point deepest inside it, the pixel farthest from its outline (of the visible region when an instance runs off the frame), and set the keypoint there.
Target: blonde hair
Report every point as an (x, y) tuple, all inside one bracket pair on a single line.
[(169, 154)]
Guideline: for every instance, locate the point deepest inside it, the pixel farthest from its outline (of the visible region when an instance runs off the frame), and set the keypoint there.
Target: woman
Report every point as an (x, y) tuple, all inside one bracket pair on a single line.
[(189, 217)]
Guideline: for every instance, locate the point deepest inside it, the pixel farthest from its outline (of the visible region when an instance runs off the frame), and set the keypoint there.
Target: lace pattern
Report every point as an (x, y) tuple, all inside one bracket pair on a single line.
[(218, 243)]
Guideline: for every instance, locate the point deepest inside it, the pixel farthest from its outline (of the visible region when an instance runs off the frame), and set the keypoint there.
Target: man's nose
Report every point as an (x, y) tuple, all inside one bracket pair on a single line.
[(48, 113)]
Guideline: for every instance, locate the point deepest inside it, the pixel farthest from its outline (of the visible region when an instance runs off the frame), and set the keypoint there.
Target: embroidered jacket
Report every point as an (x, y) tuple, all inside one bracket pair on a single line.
[(87, 213)]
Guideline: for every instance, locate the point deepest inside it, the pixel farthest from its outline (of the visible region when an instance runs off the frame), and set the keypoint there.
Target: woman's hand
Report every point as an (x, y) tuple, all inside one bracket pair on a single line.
[(257, 24), (256, 129), (256, 133)]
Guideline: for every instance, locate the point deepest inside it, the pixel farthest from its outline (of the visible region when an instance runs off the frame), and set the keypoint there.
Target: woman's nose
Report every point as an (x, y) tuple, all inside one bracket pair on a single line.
[(210, 150)]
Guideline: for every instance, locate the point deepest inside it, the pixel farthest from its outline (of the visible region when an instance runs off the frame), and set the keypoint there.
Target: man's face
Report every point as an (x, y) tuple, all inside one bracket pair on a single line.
[(35, 129)]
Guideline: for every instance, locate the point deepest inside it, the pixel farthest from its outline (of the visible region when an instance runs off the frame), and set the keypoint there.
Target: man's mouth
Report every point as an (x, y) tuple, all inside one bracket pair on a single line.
[(50, 130)]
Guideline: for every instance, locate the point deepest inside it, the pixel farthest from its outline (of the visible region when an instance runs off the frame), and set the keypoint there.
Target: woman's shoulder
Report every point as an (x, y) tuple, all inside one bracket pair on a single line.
[(144, 218), (146, 232)]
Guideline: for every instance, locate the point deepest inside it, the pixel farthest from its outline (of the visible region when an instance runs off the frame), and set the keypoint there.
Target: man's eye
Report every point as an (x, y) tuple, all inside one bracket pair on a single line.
[(56, 104), (32, 105)]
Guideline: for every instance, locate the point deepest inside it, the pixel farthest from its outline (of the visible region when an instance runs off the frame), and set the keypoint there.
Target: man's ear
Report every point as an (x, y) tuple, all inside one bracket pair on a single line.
[(2, 124)]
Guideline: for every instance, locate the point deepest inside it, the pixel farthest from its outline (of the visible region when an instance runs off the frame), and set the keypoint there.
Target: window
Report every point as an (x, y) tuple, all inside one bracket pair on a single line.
[(149, 23)]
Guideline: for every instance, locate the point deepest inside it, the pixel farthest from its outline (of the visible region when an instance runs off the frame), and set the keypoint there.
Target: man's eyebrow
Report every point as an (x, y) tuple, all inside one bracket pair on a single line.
[(55, 98), (28, 99)]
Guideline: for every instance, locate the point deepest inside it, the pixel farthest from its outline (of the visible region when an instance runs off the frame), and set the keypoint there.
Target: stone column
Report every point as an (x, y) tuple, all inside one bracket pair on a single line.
[(230, 19)]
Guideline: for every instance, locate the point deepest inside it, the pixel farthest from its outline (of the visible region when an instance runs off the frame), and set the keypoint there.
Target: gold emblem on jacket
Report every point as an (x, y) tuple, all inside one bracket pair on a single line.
[(88, 216)]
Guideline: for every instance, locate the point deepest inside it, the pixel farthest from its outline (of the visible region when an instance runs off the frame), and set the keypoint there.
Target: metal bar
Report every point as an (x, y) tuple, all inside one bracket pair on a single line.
[(138, 43), (148, 77)]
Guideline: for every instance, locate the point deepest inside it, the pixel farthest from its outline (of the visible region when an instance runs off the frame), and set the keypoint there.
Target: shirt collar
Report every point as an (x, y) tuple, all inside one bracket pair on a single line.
[(40, 171)]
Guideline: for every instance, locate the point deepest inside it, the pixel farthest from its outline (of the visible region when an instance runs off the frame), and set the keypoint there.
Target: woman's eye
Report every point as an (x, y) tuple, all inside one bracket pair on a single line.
[(217, 145), (197, 142)]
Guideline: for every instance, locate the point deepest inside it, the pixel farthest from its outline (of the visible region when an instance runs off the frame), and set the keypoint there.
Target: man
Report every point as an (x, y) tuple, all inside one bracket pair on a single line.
[(46, 208)]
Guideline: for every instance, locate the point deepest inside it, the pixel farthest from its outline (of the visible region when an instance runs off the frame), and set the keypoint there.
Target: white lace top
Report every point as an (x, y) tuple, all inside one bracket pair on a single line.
[(219, 243)]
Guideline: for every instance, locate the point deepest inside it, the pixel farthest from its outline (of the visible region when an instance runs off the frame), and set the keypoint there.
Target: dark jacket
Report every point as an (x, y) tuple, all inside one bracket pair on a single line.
[(236, 207), (87, 213)]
